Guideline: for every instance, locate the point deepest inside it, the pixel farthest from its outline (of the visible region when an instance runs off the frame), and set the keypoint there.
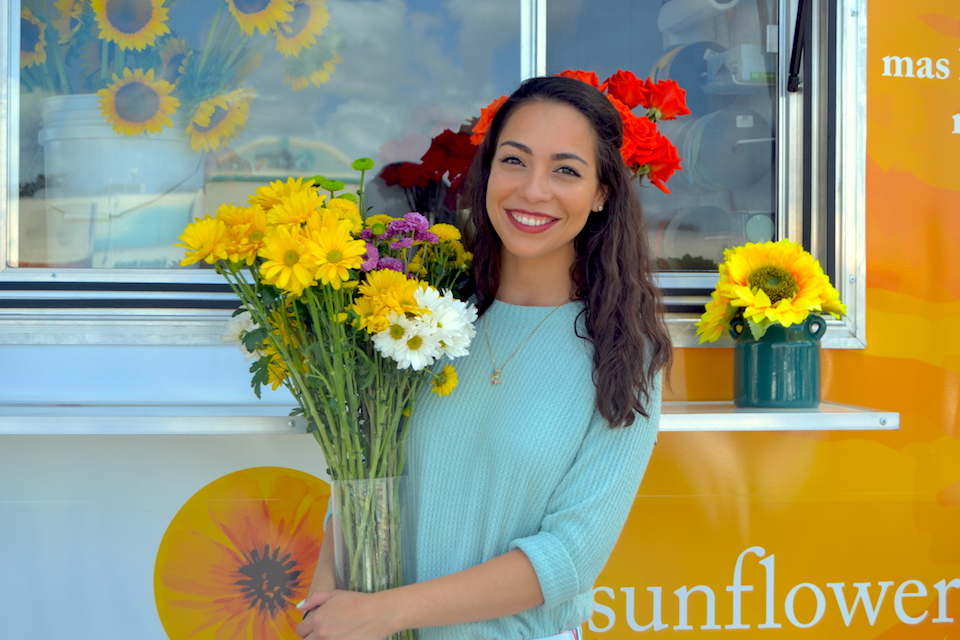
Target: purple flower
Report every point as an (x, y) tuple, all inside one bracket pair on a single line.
[(366, 234), (426, 236), (398, 227), (373, 256), (391, 263), (418, 221), (402, 243)]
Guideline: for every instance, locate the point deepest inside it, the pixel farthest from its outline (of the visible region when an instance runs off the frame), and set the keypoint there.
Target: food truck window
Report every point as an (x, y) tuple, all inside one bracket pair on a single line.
[(124, 121)]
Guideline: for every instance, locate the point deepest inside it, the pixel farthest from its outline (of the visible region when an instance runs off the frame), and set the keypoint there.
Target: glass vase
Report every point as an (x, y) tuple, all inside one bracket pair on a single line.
[(368, 541)]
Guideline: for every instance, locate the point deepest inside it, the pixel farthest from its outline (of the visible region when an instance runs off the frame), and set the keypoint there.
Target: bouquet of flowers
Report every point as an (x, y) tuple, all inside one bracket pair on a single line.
[(142, 73), (772, 282), (353, 316), (645, 150)]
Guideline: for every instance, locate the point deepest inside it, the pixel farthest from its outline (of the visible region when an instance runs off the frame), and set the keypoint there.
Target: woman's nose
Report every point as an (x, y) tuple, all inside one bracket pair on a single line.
[(535, 187)]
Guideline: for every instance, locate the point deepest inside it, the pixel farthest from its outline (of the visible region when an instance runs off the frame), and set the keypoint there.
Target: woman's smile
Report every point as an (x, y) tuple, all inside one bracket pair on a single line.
[(530, 222)]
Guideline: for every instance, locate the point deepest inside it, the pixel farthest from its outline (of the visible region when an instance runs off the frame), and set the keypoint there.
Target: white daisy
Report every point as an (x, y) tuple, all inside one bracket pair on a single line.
[(407, 341), (450, 319), (237, 327)]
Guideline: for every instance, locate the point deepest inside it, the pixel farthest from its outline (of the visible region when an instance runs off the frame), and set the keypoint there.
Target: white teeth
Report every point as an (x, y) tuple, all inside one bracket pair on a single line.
[(528, 221)]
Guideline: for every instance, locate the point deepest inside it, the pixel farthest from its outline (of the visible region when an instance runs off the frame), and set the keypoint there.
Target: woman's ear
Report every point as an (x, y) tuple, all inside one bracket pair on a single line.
[(601, 200)]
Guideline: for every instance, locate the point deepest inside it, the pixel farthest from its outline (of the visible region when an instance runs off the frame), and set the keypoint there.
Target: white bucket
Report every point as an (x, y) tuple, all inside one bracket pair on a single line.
[(115, 200)]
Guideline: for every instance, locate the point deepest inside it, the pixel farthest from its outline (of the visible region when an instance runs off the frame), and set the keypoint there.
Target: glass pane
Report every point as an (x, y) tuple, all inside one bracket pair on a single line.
[(724, 54), (213, 99)]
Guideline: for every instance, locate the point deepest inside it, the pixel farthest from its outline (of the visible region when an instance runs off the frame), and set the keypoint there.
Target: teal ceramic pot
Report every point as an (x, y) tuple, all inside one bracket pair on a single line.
[(781, 370)]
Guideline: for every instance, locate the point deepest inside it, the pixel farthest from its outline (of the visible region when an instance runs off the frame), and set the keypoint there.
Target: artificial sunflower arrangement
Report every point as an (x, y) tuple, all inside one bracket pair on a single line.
[(768, 283), (353, 316), (149, 79)]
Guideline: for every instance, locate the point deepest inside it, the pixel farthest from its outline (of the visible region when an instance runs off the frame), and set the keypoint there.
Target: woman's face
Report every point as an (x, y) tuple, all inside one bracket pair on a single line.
[(543, 181)]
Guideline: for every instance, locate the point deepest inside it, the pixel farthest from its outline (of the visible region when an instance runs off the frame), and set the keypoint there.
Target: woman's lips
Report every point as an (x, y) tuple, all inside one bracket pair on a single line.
[(529, 222)]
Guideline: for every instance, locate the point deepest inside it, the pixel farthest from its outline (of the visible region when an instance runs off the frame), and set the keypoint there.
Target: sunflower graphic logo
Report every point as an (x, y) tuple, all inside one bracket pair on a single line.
[(240, 554)]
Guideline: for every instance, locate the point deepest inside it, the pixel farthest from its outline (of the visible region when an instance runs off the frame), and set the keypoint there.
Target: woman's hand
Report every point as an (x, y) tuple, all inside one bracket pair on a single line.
[(344, 615)]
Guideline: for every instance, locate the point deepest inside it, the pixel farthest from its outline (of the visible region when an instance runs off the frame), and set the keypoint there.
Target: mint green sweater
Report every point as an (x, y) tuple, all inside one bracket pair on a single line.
[(527, 464)]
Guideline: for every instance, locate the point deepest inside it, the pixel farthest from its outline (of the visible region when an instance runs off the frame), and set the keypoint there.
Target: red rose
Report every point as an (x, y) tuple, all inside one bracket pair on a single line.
[(662, 167), (391, 174), (583, 76), (639, 140), (434, 161), (627, 88), (411, 175), (486, 117), (667, 98), (462, 147)]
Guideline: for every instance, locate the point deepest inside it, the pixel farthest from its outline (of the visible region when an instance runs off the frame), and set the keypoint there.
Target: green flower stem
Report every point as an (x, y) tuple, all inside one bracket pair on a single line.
[(119, 59), (58, 58), (237, 48), (230, 71), (104, 59), (363, 211), (209, 41)]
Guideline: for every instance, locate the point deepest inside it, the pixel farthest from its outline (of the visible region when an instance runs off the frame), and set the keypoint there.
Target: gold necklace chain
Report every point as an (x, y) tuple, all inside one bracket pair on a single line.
[(495, 376)]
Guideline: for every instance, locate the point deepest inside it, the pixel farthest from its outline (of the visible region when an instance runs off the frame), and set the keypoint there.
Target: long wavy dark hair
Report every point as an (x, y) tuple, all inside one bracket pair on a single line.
[(613, 270)]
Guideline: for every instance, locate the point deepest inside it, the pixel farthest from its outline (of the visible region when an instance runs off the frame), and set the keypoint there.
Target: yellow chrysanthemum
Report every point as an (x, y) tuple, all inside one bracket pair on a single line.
[(263, 15), (338, 252), (391, 290), (33, 40), (173, 57), (268, 196), (445, 381), (296, 208), (371, 316), (246, 230), (324, 220), (445, 231), (204, 239), (768, 282), (68, 21), (380, 221), (138, 103), (307, 21), (219, 119), (131, 24), (348, 211), (290, 264)]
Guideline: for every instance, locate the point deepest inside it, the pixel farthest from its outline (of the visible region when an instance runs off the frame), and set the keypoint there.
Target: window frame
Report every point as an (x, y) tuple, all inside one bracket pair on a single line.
[(164, 307)]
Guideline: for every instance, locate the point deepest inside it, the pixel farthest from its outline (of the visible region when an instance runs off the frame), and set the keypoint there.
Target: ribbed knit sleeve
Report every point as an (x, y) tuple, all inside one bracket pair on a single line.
[(588, 509)]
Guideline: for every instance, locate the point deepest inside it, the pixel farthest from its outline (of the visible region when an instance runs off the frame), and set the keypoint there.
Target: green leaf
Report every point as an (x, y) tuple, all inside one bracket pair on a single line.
[(261, 374), (757, 329), (362, 164), (253, 340)]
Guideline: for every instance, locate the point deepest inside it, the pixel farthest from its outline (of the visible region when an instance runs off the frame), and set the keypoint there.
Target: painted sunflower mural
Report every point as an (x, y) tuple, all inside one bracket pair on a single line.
[(239, 555)]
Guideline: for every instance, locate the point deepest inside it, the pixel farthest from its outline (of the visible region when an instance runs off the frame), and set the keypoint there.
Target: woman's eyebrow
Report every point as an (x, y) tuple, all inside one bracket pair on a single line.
[(556, 156)]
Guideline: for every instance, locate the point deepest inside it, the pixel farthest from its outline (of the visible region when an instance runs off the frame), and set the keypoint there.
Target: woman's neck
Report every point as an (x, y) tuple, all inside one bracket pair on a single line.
[(535, 282)]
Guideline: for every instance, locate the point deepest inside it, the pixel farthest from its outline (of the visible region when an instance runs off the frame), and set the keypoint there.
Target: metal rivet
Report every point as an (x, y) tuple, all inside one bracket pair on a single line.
[(883, 421), (853, 278), (292, 423), (853, 12)]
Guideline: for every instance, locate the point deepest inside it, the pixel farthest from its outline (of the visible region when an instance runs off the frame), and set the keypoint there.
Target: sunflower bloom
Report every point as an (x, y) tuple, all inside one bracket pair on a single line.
[(337, 253), (296, 208), (307, 20), (314, 65), (204, 240), (239, 555), (137, 103), (219, 119), (445, 381), (68, 22), (289, 264), (33, 40), (173, 57), (277, 191), (262, 15), (131, 24)]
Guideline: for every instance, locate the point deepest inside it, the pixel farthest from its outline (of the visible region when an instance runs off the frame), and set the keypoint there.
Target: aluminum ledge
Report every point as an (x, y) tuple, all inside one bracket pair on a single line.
[(274, 419), (724, 416)]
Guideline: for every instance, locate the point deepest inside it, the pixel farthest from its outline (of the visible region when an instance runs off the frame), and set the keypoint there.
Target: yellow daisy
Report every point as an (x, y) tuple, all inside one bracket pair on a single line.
[(370, 316), (445, 231), (445, 381), (347, 211), (33, 41), (289, 264), (307, 21), (378, 223), (219, 119), (338, 253), (132, 24), (68, 22), (138, 103), (204, 239), (246, 230), (270, 195), (296, 208), (392, 290), (263, 15), (173, 57)]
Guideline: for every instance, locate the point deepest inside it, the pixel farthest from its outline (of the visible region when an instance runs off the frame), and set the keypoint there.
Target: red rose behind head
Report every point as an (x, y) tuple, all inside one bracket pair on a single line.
[(667, 98), (486, 117), (627, 88)]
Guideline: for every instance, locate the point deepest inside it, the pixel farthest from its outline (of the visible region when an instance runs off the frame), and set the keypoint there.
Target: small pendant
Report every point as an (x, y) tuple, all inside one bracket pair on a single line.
[(495, 377)]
